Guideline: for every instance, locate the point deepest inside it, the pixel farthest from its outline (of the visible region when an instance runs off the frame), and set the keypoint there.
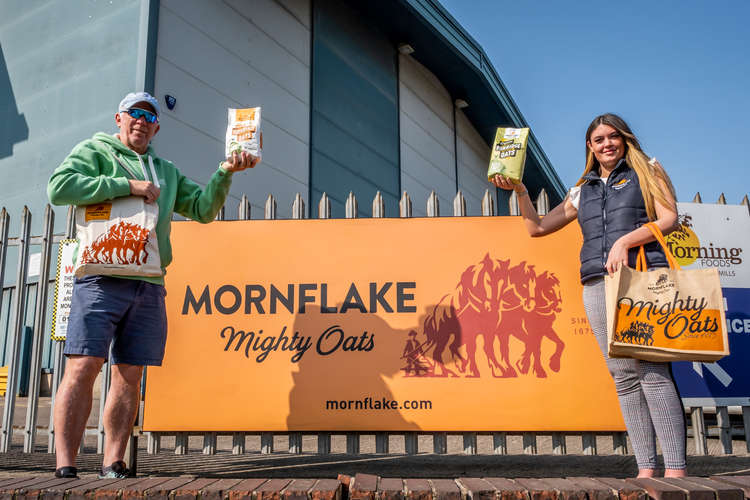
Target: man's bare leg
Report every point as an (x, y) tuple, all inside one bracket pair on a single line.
[(120, 410), (73, 406)]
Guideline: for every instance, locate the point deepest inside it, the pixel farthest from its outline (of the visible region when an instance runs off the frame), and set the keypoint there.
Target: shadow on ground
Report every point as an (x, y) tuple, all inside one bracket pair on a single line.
[(278, 465)]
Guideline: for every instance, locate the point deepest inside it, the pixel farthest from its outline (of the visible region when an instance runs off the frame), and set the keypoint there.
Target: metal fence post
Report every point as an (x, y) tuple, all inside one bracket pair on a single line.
[(513, 203), (588, 442), (620, 443), (559, 446), (404, 205), (58, 358), (529, 443), (725, 429), (40, 315), (352, 443), (4, 226), (411, 443), (382, 443), (500, 443), (295, 443), (542, 203), (470, 443), (244, 208), (433, 205), (298, 207), (324, 443), (106, 378), (378, 206), (269, 211), (699, 430), (19, 303), (209, 443), (440, 443), (459, 204), (238, 443), (324, 207), (351, 206), (488, 203), (746, 423)]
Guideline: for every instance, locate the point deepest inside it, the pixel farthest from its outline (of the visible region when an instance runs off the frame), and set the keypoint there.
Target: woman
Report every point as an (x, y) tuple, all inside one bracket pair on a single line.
[(620, 191)]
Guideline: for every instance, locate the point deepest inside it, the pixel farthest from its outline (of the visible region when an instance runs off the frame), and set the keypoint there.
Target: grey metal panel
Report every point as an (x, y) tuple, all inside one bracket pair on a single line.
[(203, 110), (215, 55), (199, 157), (473, 157), (355, 143), (200, 56), (281, 21), (148, 28), (301, 10), (426, 87), (421, 139), (353, 155), (340, 181), (428, 175), (280, 55), (63, 65), (427, 151)]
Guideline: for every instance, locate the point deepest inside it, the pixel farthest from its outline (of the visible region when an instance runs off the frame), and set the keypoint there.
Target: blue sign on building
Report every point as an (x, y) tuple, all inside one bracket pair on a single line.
[(726, 382)]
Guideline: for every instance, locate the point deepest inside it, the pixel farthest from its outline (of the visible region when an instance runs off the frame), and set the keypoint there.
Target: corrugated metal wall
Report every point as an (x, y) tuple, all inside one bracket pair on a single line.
[(213, 55), (64, 67), (428, 151), (355, 111)]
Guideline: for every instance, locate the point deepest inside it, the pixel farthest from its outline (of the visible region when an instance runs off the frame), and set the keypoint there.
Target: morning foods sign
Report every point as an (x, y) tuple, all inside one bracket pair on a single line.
[(718, 236)]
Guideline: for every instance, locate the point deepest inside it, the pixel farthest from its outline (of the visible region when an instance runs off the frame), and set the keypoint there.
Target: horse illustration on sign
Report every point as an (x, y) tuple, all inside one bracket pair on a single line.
[(493, 300)]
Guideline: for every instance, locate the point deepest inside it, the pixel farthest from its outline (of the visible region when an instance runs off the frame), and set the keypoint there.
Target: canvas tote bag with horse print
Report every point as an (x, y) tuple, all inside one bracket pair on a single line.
[(666, 314), (118, 237)]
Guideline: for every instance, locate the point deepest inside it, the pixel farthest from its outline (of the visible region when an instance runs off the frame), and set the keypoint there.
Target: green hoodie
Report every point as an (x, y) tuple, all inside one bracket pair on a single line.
[(90, 175)]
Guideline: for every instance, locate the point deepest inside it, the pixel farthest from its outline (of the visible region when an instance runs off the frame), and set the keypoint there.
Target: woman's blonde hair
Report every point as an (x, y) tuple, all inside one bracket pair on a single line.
[(654, 181)]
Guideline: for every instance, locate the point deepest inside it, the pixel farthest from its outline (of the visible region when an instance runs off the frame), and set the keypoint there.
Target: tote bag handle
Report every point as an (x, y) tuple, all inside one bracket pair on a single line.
[(641, 261), (154, 177)]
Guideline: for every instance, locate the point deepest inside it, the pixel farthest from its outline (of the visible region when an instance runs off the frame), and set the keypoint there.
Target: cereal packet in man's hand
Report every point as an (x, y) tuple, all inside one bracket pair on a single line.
[(508, 156), (243, 132)]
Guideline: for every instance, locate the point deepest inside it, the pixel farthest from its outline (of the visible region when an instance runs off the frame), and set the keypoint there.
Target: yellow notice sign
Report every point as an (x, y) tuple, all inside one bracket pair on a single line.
[(99, 211), (444, 324)]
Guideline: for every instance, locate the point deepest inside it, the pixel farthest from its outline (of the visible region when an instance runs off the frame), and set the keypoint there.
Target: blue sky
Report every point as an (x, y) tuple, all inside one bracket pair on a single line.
[(677, 71)]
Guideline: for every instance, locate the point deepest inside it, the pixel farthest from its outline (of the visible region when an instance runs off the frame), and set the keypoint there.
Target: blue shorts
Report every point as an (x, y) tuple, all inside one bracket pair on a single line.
[(129, 314)]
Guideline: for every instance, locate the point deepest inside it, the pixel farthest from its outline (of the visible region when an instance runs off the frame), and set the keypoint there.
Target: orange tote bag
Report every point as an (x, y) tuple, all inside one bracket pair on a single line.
[(666, 314)]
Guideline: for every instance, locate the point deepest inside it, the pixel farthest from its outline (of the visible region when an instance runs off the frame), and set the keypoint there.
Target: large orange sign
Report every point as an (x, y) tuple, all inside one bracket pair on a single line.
[(445, 324)]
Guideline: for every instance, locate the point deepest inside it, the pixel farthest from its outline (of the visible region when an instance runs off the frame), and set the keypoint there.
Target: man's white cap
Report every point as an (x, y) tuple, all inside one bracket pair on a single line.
[(134, 98)]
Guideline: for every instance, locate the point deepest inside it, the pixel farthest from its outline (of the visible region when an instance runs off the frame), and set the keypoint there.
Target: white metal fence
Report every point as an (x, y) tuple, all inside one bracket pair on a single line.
[(17, 312)]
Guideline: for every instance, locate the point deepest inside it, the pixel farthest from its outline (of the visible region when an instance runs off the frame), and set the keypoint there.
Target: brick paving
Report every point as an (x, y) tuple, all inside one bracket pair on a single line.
[(372, 487)]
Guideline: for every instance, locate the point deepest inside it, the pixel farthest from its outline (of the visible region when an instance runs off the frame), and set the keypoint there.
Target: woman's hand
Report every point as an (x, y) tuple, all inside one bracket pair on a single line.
[(504, 182), (618, 257), (239, 161)]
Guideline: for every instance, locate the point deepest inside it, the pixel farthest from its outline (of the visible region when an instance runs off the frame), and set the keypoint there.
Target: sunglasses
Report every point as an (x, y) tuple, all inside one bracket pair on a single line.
[(147, 115)]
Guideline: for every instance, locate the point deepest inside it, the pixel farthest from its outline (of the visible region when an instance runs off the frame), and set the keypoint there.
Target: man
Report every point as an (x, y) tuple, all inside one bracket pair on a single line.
[(126, 312)]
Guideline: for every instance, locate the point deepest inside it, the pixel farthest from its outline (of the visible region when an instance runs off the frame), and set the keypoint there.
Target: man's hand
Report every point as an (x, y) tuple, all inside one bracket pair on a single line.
[(144, 188), (239, 161)]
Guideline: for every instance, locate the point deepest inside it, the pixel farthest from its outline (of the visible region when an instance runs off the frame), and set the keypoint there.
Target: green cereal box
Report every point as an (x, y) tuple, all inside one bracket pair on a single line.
[(509, 153)]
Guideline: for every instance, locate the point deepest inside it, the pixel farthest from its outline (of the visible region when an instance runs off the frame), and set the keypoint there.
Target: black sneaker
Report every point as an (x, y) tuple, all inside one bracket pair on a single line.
[(67, 472), (117, 470)]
